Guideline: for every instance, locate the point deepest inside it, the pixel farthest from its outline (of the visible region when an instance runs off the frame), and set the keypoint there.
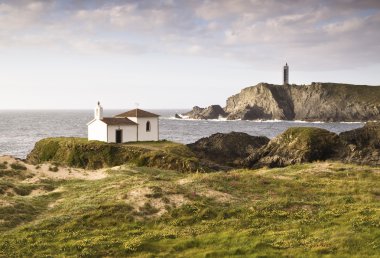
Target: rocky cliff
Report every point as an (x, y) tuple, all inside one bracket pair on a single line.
[(315, 102)]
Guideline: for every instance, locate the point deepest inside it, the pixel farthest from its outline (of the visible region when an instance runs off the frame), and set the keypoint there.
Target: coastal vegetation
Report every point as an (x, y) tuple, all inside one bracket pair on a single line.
[(81, 153), (304, 197), (315, 209), (218, 152)]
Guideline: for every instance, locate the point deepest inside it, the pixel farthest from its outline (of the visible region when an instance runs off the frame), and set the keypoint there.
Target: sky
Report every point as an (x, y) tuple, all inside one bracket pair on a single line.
[(165, 54)]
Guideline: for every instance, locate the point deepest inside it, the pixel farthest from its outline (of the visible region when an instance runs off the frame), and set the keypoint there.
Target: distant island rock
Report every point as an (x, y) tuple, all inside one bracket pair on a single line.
[(328, 102), (211, 112)]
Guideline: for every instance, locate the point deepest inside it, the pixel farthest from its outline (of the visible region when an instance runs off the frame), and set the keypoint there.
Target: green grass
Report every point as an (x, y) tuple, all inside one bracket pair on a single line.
[(308, 210), (79, 152)]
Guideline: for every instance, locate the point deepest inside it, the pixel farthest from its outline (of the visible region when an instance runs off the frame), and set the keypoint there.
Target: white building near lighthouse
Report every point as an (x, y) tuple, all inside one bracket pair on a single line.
[(131, 126)]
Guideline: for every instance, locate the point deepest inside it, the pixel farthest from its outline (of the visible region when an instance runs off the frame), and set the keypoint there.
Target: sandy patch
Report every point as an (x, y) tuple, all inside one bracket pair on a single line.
[(43, 171), (66, 173), (37, 192), (116, 168), (184, 181), (4, 203), (9, 159), (10, 192), (138, 199), (53, 204), (282, 177), (177, 199), (217, 195)]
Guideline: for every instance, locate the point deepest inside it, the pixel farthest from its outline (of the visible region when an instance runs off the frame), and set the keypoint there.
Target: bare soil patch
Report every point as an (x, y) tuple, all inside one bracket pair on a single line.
[(43, 171)]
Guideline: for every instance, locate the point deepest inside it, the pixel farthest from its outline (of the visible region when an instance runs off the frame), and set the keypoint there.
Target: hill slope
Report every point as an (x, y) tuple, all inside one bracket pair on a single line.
[(79, 152), (304, 210)]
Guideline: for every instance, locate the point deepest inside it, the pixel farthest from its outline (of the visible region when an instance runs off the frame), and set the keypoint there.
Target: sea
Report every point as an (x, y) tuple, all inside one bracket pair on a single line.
[(21, 129)]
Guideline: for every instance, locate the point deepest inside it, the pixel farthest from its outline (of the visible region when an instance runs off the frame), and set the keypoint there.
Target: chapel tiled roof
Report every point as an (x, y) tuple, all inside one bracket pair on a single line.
[(137, 113), (117, 121)]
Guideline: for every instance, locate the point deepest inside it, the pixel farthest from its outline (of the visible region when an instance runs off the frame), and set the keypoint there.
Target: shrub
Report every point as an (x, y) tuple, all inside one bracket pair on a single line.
[(53, 168), (18, 166)]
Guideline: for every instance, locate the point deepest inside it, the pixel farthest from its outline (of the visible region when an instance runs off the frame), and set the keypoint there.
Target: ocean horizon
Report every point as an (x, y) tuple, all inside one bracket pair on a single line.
[(21, 129)]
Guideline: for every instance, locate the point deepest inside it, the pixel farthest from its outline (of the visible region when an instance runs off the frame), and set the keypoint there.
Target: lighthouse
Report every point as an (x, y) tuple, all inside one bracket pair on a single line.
[(286, 74)]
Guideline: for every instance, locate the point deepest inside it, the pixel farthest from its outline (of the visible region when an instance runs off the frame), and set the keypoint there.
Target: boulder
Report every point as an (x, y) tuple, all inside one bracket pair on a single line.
[(228, 149), (362, 145), (296, 145)]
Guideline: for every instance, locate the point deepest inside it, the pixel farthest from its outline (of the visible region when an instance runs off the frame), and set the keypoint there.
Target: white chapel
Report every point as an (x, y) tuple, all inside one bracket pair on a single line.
[(131, 126)]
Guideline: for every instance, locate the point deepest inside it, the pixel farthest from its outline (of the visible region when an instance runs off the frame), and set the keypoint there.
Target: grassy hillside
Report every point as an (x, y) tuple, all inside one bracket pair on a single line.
[(79, 152), (306, 210), (361, 93)]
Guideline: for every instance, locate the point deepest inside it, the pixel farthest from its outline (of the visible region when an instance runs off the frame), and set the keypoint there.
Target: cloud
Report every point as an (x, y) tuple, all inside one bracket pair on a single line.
[(327, 34)]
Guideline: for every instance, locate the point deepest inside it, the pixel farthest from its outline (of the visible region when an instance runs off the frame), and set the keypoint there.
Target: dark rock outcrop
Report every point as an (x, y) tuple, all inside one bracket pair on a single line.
[(362, 145), (227, 149), (211, 112), (296, 145), (177, 116)]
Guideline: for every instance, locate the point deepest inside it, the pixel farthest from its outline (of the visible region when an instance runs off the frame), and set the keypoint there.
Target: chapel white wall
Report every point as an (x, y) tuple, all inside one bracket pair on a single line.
[(129, 133), (153, 134), (97, 130)]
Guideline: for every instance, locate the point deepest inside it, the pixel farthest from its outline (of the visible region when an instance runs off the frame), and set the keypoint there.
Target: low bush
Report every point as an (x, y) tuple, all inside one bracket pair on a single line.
[(18, 166), (53, 168)]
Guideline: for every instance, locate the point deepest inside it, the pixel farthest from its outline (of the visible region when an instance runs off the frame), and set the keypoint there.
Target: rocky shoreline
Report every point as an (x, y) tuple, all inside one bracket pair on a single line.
[(294, 146), (326, 102), (220, 151)]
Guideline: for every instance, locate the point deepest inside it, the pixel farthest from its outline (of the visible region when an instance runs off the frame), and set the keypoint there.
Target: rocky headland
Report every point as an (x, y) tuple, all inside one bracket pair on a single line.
[(315, 102)]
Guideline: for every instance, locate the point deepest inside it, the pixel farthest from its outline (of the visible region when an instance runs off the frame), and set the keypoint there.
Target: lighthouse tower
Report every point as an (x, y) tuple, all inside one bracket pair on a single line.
[(286, 74)]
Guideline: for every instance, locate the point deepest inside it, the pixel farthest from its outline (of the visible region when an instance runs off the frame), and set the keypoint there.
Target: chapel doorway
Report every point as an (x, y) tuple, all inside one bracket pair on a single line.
[(119, 136)]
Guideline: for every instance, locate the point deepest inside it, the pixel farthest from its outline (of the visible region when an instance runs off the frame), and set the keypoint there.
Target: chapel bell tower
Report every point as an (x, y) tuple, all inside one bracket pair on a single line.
[(98, 112)]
